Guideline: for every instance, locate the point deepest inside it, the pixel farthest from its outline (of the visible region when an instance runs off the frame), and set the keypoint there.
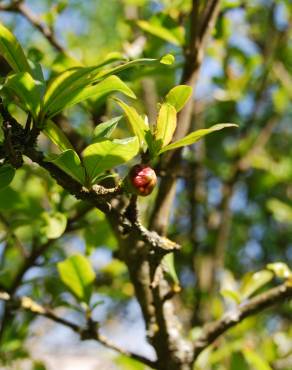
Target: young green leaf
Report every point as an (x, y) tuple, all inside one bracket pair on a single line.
[(280, 269), (26, 89), (178, 96), (105, 129), (7, 173), (56, 135), (137, 124), (55, 224), (78, 275), (168, 266), (107, 154), (195, 136), (167, 59), (160, 32), (12, 51), (75, 94), (253, 282), (70, 163), (255, 360), (166, 124)]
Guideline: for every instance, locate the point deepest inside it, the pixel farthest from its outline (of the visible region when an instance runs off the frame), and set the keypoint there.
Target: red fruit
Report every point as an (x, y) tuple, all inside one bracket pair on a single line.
[(142, 179)]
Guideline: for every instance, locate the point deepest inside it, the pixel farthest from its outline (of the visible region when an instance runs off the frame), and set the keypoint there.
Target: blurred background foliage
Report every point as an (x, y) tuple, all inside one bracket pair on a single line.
[(233, 209)]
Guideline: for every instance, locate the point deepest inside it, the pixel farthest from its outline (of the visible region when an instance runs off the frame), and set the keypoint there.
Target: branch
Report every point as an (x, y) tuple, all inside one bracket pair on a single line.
[(21, 8), (257, 304), (27, 304)]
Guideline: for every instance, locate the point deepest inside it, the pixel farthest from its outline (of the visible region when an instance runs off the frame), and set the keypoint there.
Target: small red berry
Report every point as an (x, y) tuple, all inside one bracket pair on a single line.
[(142, 179)]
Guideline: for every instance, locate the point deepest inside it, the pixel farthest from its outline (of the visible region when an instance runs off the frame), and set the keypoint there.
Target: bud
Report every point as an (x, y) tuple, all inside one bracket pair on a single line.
[(142, 179)]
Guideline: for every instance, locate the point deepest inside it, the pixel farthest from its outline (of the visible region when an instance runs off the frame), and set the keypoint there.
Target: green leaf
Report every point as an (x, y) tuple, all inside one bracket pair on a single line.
[(56, 135), (280, 210), (255, 360), (26, 89), (55, 224), (105, 129), (231, 294), (280, 269), (160, 32), (107, 154), (7, 173), (167, 59), (168, 266), (178, 96), (75, 93), (166, 124), (254, 281), (137, 124), (78, 275), (196, 136), (70, 163), (12, 51)]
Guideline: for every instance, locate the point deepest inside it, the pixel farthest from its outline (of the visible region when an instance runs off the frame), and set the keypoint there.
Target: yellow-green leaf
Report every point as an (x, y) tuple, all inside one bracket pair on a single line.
[(178, 96), (137, 125), (196, 136), (54, 133), (12, 51), (166, 124), (254, 281), (78, 275)]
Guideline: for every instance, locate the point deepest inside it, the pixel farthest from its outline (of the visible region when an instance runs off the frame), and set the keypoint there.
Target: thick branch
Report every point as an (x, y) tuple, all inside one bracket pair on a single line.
[(257, 304)]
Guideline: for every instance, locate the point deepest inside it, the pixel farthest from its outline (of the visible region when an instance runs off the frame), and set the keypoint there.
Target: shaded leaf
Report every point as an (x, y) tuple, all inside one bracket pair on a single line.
[(70, 163), (107, 154), (105, 129), (25, 88), (169, 267), (7, 173)]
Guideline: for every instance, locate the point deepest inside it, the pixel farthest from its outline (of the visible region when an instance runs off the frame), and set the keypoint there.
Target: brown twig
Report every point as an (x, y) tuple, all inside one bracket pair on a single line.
[(257, 304)]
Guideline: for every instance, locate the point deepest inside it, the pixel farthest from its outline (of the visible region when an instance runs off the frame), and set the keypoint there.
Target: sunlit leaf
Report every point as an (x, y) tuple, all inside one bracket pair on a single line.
[(255, 360), (160, 32), (75, 93), (54, 133), (78, 275), (195, 136), (254, 281), (137, 124), (167, 59), (166, 124), (12, 51), (280, 210), (178, 96), (169, 267), (280, 269), (55, 224)]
